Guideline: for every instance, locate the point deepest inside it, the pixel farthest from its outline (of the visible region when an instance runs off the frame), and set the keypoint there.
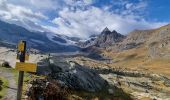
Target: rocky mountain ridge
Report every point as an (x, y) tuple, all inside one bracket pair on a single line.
[(156, 40), (106, 38)]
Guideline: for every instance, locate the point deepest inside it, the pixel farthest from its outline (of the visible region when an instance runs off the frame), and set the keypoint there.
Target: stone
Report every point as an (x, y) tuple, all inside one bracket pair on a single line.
[(110, 91)]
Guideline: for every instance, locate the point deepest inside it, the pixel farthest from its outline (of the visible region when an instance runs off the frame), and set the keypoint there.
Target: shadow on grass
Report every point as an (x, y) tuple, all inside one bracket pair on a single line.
[(118, 94)]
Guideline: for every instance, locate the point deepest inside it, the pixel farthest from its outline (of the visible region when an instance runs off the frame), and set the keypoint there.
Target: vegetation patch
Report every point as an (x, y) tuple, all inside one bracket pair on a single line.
[(3, 86), (46, 89)]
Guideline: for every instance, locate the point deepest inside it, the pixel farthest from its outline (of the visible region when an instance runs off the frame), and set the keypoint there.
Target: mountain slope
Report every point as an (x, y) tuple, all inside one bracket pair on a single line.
[(43, 41), (147, 50)]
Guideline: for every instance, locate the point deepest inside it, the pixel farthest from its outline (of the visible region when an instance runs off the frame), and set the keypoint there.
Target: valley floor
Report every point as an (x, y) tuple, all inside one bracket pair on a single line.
[(141, 77), (129, 73)]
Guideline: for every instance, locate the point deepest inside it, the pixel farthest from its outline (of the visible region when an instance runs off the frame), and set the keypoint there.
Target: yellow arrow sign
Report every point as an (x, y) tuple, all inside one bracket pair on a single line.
[(28, 67)]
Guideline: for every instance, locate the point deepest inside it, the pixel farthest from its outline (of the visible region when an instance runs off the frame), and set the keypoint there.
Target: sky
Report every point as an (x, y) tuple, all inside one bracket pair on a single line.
[(82, 18)]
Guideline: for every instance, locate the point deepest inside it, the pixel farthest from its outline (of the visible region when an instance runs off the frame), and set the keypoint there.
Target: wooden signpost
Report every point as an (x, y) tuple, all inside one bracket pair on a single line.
[(26, 57), (22, 66), (29, 67)]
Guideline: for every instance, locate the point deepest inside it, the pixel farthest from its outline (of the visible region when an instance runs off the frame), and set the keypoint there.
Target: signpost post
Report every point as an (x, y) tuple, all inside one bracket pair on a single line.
[(22, 66), (22, 50)]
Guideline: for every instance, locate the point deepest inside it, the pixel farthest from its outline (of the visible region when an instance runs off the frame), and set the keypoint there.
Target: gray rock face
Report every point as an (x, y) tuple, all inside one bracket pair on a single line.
[(106, 38), (74, 75)]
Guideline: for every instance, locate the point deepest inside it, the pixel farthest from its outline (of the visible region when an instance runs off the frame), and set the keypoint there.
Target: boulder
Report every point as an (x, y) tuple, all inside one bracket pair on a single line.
[(73, 75), (5, 64)]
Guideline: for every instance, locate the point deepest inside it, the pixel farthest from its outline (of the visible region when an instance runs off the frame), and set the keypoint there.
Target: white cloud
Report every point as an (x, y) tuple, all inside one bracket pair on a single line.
[(20, 15), (88, 1), (78, 2), (78, 18), (19, 11), (129, 5), (24, 13), (83, 23), (45, 4), (38, 4)]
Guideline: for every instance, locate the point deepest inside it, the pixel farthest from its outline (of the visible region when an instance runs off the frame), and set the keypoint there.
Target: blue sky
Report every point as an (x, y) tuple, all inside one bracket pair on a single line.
[(82, 18), (159, 10)]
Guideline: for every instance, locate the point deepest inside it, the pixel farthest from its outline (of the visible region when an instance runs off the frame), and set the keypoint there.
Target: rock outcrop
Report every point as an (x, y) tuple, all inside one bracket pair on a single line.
[(107, 38), (72, 74)]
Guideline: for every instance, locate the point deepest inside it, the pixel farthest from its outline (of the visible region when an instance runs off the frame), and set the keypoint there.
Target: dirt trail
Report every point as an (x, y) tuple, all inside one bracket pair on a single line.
[(12, 87)]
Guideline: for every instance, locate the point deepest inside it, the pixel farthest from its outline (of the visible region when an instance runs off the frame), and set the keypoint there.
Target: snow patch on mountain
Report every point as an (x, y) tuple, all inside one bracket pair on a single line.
[(59, 39)]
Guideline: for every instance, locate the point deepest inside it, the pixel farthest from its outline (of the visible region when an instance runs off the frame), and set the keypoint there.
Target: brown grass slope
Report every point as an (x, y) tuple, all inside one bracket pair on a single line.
[(147, 50)]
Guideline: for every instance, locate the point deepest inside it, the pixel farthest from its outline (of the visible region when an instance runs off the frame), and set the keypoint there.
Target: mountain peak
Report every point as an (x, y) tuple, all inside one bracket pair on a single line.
[(114, 31), (106, 38), (106, 30)]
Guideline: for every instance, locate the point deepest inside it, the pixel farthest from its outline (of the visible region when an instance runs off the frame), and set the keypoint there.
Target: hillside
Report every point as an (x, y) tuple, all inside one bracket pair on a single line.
[(140, 61), (142, 50)]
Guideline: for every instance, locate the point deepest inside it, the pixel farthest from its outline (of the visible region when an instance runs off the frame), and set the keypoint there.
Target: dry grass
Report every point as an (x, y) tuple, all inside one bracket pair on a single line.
[(119, 94), (138, 59), (133, 59), (160, 66), (129, 58)]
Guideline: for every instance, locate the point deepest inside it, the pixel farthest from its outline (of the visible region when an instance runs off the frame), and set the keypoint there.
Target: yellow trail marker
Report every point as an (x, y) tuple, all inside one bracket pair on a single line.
[(21, 46), (28, 67)]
